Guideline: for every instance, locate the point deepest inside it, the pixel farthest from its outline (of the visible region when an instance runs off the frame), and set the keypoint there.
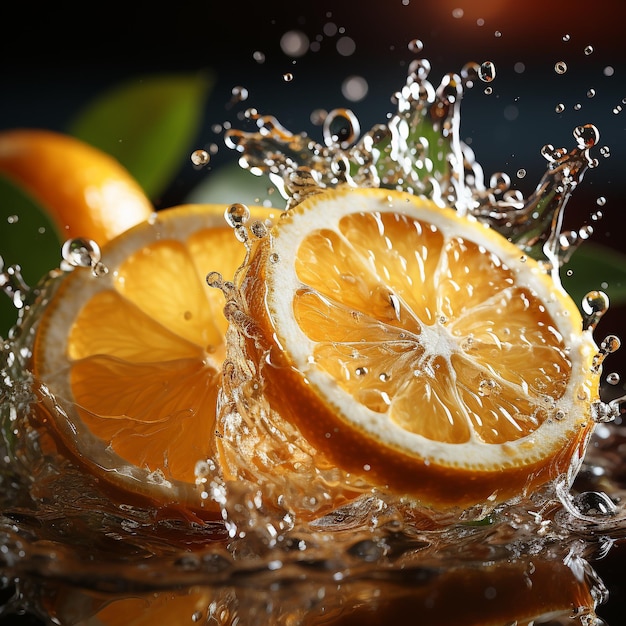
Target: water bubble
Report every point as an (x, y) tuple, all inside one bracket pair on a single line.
[(346, 46), (258, 229), (239, 94), (416, 45), (586, 136), (200, 157), (594, 503), (560, 107), (341, 127), (488, 91), (560, 67), (81, 252), (214, 279), (288, 77), (594, 305), (237, 215), (521, 173), (486, 387), (487, 71), (294, 43), (588, 50), (613, 378), (354, 88), (361, 371)]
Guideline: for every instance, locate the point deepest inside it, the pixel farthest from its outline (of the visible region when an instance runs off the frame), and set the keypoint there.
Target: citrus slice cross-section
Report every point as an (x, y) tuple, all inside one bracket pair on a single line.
[(133, 356), (418, 348)]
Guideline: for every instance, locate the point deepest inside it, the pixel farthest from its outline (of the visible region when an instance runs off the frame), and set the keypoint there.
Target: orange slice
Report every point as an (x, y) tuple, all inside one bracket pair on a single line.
[(84, 190), (133, 356), (418, 348)]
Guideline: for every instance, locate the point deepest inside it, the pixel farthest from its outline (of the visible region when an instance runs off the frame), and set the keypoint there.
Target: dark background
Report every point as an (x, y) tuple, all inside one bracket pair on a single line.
[(54, 58)]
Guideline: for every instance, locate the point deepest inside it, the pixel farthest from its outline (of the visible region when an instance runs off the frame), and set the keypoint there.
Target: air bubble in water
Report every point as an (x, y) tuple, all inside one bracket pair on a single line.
[(200, 157), (487, 71), (560, 67), (237, 215), (81, 252)]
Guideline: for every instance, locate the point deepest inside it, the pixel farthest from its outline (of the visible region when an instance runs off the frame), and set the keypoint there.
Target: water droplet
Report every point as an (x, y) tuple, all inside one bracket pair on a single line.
[(521, 173), (594, 305), (588, 50), (594, 503), (214, 279), (578, 106), (80, 252), (591, 93), (258, 229), (239, 94), (560, 67), (586, 136), (613, 378), (237, 215), (258, 56), (196, 616), (294, 43), (288, 77), (605, 151), (486, 387), (487, 71), (200, 157), (498, 34), (560, 107), (274, 258), (488, 91), (384, 377), (566, 37), (341, 127), (416, 45), (617, 109), (360, 371), (601, 201), (13, 219), (354, 88)]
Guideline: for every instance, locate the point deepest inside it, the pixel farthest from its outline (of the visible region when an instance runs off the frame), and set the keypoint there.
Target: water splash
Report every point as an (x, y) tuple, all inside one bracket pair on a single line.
[(420, 151)]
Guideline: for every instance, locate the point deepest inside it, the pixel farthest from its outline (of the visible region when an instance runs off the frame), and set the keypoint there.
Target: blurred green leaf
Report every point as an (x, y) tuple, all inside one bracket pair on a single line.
[(148, 125), (595, 266), (27, 238), (231, 183)]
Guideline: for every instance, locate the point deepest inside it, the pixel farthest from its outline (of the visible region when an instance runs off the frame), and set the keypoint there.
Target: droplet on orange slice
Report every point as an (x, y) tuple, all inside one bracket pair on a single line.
[(85, 191), (419, 349), (133, 356)]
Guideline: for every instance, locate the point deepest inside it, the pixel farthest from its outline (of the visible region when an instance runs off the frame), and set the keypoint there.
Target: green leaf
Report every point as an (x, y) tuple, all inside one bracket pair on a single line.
[(27, 238), (595, 266), (148, 124), (231, 183)]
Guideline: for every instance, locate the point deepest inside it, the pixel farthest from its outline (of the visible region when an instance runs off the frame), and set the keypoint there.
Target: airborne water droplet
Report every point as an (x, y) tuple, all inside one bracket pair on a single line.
[(487, 71), (288, 77), (613, 378), (200, 157), (560, 67), (416, 45), (589, 50), (81, 252), (594, 305), (560, 107), (237, 215)]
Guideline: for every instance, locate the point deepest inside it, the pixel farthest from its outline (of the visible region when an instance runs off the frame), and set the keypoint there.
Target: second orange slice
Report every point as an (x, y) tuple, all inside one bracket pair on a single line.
[(132, 357)]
